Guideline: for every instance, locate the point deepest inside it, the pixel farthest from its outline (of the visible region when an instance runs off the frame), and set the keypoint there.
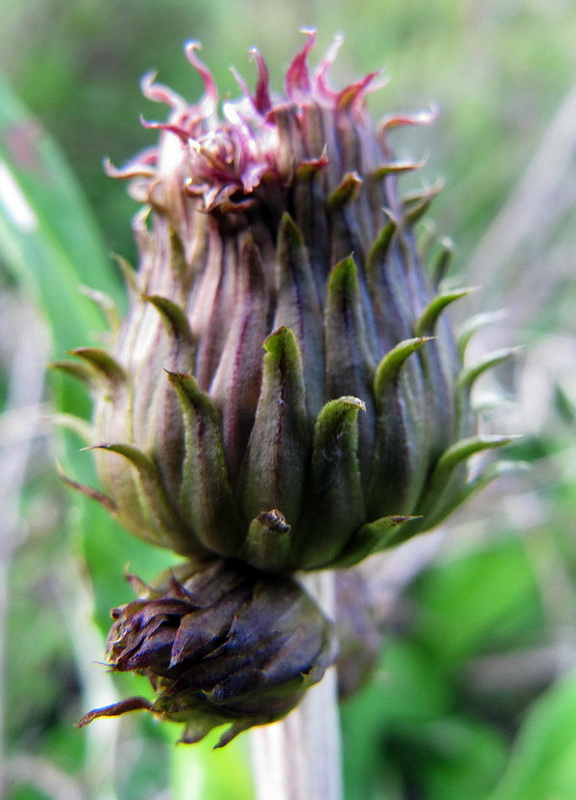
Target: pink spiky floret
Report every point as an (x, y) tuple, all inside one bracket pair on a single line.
[(297, 75), (224, 159)]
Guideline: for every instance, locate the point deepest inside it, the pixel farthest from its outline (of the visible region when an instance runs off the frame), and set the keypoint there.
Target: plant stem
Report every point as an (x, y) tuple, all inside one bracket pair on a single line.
[(298, 758)]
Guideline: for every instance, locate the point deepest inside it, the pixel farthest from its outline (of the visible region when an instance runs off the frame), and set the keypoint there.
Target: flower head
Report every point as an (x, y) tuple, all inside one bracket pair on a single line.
[(284, 388)]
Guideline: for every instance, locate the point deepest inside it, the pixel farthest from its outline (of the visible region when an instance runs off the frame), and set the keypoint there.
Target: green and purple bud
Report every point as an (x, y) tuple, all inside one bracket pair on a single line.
[(221, 643), (285, 388)]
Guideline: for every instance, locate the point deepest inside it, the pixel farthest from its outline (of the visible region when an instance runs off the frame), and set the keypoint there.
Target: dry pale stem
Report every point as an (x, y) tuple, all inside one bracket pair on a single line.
[(298, 758)]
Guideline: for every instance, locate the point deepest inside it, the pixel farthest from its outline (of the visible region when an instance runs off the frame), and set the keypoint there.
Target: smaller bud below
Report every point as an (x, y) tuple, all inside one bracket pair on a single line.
[(221, 643)]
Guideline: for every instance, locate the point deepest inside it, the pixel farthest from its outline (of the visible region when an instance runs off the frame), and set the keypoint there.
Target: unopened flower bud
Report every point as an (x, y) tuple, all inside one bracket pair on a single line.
[(284, 389), (221, 643)]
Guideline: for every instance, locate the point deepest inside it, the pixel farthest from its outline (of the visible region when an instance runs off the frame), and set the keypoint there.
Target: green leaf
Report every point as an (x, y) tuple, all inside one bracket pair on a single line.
[(542, 766), (476, 602), (49, 241), (407, 690), (220, 773), (48, 237), (455, 756)]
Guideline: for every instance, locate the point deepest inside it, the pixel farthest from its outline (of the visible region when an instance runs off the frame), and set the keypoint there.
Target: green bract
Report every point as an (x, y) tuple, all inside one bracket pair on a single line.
[(285, 388)]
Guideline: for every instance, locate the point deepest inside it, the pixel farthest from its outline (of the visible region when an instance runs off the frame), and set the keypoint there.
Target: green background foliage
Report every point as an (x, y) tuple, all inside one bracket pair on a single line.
[(474, 694)]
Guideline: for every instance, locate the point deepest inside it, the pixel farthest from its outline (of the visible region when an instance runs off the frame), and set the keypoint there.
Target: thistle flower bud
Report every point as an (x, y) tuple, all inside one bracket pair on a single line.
[(284, 388), (221, 643)]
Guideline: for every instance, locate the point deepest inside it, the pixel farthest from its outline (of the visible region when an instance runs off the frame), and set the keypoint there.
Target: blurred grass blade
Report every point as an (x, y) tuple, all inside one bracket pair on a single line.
[(543, 762), (48, 238)]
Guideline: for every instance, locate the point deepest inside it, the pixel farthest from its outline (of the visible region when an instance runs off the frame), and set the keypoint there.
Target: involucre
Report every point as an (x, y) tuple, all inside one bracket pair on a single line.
[(284, 388)]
